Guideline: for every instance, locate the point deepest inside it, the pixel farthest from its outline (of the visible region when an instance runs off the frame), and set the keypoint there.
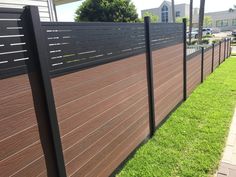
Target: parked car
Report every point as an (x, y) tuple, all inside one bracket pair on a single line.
[(234, 33), (205, 31)]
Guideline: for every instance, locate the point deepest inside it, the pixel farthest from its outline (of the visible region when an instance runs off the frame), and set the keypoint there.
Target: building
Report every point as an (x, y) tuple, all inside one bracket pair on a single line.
[(47, 10), (221, 21), (164, 12)]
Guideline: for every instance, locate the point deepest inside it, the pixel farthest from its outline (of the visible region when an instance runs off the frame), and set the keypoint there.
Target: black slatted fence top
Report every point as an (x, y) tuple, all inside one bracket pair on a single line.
[(166, 34), (13, 50), (73, 46)]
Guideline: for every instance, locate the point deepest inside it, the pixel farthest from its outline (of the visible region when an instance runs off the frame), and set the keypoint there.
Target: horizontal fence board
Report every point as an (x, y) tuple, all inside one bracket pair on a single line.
[(108, 164), (117, 102), (207, 62), (19, 140), (193, 73), (126, 115), (168, 75), (106, 150)]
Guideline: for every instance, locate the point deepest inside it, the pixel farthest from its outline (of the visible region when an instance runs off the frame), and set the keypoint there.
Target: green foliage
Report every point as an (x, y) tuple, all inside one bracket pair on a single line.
[(193, 42), (180, 20), (107, 11), (191, 141), (154, 18), (205, 41), (207, 21), (215, 41)]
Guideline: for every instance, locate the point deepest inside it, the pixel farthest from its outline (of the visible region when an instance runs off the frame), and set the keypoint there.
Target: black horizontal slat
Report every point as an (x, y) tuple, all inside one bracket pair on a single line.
[(93, 45), (11, 40), (104, 35), (74, 67), (97, 24), (102, 49), (10, 23), (11, 48), (11, 57), (14, 71), (4, 15), (164, 44), (109, 47), (92, 33), (12, 31)]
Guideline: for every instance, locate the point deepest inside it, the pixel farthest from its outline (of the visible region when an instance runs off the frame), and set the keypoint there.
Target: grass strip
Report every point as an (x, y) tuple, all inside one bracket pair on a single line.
[(191, 141)]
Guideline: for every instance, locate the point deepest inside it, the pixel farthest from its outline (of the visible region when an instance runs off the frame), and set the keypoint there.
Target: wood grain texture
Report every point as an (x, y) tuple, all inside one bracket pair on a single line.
[(97, 110), (193, 73), (216, 56), (207, 63), (168, 79), (20, 144)]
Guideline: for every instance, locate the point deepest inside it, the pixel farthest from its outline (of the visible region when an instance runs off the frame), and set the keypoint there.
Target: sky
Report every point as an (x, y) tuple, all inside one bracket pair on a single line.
[(66, 12)]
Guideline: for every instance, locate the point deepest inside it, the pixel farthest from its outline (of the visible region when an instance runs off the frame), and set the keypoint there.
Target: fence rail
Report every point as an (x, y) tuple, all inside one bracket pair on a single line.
[(78, 98)]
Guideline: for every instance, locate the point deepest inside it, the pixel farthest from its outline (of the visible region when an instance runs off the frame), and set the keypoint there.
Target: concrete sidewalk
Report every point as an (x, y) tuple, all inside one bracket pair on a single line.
[(228, 163)]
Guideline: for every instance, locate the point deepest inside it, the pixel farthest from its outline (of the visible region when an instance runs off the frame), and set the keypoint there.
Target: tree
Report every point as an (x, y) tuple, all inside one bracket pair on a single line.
[(173, 10), (107, 11), (207, 21), (154, 18), (180, 20), (200, 21), (190, 21)]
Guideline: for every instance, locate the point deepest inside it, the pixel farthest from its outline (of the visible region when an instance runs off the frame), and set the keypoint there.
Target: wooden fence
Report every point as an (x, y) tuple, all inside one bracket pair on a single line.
[(77, 99)]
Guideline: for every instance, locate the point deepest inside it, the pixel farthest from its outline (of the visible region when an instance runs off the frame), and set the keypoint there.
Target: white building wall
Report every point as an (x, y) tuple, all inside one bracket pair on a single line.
[(223, 15), (183, 8), (46, 10)]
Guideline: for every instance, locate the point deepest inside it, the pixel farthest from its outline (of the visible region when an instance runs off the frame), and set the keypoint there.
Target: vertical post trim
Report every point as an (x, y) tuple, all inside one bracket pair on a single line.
[(225, 40), (184, 60), (42, 71), (219, 51), (213, 57), (150, 84), (202, 65)]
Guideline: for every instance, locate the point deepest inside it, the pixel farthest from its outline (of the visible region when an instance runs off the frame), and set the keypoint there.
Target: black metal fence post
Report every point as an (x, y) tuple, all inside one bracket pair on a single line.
[(43, 94), (184, 60), (202, 65), (149, 66), (213, 57), (228, 48), (219, 51), (225, 40)]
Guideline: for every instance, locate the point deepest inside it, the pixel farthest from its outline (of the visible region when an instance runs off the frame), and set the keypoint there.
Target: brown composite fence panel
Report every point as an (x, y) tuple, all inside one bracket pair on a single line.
[(222, 51), (207, 66), (103, 111), (21, 150), (98, 109), (168, 79), (216, 55), (193, 71), (167, 68), (76, 98)]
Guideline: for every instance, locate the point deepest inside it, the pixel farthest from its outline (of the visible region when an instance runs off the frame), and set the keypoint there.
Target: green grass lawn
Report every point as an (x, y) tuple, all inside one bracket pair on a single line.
[(191, 141)]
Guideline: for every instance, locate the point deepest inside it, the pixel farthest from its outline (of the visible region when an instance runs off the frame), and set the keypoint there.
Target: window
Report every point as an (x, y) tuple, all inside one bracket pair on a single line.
[(222, 23), (234, 22), (164, 14), (177, 13)]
